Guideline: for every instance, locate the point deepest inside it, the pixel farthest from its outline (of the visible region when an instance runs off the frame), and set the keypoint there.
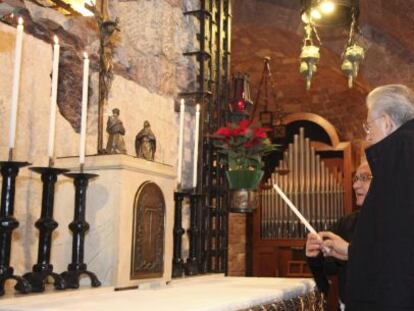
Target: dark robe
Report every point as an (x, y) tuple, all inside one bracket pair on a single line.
[(381, 256), (322, 267)]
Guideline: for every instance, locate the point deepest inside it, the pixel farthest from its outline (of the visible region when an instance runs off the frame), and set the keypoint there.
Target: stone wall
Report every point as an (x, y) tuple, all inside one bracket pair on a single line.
[(149, 70), (237, 245)]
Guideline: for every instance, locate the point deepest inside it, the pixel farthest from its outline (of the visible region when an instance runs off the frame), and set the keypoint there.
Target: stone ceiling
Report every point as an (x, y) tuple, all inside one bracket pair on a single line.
[(273, 28)]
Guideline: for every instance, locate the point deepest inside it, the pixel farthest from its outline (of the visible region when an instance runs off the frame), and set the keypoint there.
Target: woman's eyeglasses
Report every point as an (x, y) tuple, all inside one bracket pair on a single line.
[(361, 178)]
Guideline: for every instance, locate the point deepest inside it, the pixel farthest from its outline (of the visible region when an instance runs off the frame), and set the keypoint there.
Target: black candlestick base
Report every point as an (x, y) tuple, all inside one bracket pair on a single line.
[(72, 278), (9, 172), (193, 260), (79, 226), (178, 263), (46, 225), (37, 279)]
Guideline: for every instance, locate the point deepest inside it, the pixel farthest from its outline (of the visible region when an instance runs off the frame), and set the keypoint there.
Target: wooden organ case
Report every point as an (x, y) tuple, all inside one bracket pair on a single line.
[(317, 178)]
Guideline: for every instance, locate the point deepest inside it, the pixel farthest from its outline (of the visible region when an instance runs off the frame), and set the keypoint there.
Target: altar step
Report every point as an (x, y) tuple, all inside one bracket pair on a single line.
[(203, 293)]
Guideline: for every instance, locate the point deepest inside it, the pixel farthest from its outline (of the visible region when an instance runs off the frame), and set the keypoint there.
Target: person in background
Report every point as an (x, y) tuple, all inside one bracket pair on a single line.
[(321, 266)]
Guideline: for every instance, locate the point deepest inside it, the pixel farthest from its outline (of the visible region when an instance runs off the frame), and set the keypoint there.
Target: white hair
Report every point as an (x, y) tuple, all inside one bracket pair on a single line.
[(395, 100)]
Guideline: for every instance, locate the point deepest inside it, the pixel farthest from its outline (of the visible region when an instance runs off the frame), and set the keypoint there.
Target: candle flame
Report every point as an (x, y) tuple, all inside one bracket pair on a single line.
[(198, 108), (182, 101), (20, 21), (85, 55), (56, 39), (12, 15)]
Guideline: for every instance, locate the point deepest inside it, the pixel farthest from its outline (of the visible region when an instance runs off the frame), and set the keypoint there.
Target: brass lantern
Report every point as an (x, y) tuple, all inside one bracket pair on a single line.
[(329, 14), (309, 56), (352, 57)]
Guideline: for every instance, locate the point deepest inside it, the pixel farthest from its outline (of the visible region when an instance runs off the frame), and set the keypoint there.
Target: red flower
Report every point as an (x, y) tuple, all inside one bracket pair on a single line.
[(261, 132), (244, 124), (244, 143), (224, 131), (242, 129)]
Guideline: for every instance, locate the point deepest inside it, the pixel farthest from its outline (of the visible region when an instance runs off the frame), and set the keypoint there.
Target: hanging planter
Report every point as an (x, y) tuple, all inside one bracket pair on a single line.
[(244, 145), (243, 201), (243, 185), (244, 179)]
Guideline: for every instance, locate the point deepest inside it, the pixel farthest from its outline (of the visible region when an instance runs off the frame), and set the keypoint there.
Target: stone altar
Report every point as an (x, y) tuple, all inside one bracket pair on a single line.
[(109, 211)]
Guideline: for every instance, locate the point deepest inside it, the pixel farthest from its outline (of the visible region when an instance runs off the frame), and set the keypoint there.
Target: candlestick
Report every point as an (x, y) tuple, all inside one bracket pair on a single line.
[(16, 84), (180, 143), (196, 139), (84, 109), (53, 99)]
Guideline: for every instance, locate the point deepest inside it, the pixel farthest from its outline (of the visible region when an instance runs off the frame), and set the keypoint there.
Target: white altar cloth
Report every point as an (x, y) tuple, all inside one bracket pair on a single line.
[(205, 293)]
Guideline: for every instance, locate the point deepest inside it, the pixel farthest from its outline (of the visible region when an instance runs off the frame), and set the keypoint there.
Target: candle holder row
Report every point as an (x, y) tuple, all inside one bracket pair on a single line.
[(35, 281)]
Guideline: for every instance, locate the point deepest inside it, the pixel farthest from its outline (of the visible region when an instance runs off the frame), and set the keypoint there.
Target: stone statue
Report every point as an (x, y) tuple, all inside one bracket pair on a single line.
[(116, 130), (145, 143)]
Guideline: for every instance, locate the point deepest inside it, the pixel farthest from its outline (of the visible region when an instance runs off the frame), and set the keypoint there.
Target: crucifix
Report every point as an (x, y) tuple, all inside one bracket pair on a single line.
[(107, 27)]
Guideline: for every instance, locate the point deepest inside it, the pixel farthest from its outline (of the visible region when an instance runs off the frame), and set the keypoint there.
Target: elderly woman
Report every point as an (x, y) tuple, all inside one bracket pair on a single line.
[(345, 227)]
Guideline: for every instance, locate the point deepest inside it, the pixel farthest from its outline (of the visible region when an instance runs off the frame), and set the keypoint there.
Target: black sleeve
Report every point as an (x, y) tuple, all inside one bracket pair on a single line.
[(332, 265), (316, 265), (344, 227)]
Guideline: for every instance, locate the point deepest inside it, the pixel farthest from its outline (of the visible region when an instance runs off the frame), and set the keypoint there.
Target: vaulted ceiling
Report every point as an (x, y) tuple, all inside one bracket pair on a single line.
[(273, 28)]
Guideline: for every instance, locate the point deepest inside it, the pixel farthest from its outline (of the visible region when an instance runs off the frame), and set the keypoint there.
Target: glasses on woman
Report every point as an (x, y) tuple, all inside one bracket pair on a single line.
[(362, 178), (367, 125)]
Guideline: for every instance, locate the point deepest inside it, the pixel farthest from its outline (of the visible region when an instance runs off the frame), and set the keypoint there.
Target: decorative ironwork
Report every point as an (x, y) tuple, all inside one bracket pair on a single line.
[(271, 119), (213, 56), (148, 232)]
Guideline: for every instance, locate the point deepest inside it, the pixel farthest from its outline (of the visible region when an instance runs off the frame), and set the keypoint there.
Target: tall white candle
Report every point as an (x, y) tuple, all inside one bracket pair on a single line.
[(181, 143), (53, 98), (294, 209), (196, 139), (16, 83), (299, 215), (84, 109)]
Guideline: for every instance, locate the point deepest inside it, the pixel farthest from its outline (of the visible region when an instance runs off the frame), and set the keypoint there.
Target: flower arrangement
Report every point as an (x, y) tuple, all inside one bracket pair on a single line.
[(245, 144)]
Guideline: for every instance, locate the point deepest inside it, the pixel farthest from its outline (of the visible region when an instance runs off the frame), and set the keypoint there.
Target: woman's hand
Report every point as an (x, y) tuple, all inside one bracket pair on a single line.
[(313, 245), (334, 245)]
